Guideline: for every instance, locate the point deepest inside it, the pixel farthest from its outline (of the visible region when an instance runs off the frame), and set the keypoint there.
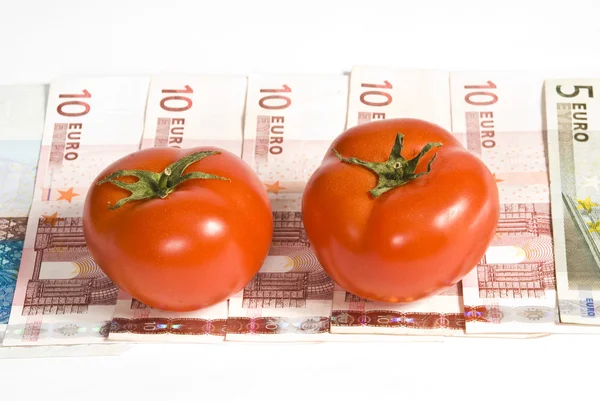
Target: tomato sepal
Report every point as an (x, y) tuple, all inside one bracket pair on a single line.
[(397, 170), (151, 184)]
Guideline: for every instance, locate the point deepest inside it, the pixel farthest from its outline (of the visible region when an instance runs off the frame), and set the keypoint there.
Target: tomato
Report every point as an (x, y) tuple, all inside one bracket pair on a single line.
[(178, 229), (399, 210)]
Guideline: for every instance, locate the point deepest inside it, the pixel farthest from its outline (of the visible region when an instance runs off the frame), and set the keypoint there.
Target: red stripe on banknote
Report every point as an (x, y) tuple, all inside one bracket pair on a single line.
[(162, 325), (277, 325), (387, 318)]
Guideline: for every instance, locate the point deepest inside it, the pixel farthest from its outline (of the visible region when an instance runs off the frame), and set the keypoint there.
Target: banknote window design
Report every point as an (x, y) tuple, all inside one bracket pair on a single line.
[(13, 228), (519, 263), (60, 242), (12, 236), (355, 298), (135, 304), (302, 277), (277, 290)]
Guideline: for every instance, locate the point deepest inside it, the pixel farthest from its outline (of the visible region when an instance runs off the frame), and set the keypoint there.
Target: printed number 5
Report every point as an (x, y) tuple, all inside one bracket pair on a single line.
[(576, 91)]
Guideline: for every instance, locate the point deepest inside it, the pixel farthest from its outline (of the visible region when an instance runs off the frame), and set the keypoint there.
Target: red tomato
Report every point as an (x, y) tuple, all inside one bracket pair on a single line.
[(399, 210), (179, 238)]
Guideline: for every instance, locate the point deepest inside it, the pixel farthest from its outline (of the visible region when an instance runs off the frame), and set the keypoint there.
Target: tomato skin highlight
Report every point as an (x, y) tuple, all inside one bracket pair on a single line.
[(414, 240), (195, 247)]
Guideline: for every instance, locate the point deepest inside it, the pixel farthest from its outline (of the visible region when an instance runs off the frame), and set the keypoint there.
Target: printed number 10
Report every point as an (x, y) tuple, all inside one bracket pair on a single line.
[(273, 99), (387, 98), (187, 100), (77, 103), (492, 98)]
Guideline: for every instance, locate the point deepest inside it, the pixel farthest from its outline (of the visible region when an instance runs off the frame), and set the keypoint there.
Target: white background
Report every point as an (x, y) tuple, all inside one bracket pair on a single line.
[(40, 40)]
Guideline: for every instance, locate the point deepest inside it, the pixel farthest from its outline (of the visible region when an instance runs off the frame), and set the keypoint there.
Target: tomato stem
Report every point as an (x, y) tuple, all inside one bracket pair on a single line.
[(163, 189), (159, 185), (396, 171)]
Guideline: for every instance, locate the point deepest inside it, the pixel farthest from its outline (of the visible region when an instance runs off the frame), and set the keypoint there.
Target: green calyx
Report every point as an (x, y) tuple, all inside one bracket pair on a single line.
[(396, 171), (159, 185)]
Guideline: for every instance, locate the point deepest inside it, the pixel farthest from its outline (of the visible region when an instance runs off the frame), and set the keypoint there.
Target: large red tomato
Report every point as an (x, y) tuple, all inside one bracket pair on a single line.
[(399, 210), (178, 229)]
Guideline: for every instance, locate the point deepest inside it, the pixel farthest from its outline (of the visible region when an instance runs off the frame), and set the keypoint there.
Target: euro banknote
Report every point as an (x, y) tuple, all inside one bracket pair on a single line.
[(62, 296), (185, 111), (572, 108), (22, 111), (378, 93), (498, 117), (90, 122), (290, 122), (383, 93)]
